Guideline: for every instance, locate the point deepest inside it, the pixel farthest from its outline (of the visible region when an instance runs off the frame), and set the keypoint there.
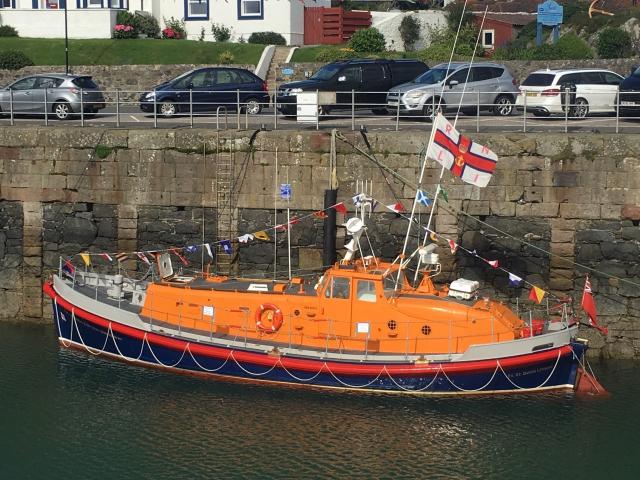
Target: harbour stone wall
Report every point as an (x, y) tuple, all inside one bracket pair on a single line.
[(558, 206)]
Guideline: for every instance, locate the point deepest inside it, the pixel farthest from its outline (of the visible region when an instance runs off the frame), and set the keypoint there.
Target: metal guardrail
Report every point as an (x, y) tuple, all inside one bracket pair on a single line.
[(530, 111)]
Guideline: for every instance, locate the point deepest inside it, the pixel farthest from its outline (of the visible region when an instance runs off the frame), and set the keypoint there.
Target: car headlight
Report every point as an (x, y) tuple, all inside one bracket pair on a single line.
[(293, 91), (413, 96), (150, 95)]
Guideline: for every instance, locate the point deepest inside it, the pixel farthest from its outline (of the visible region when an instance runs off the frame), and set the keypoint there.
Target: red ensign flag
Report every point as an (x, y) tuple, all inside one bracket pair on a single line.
[(589, 306)]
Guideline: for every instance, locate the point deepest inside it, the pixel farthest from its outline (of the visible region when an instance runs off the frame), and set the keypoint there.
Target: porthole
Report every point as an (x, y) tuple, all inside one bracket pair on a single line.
[(296, 312), (426, 329), (392, 324)]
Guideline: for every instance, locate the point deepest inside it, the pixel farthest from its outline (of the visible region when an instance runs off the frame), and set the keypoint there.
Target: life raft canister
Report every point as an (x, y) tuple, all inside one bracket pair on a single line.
[(274, 315)]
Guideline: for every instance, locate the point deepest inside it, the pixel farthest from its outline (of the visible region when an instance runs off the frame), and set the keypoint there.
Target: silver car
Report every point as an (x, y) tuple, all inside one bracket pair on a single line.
[(489, 86), (61, 93)]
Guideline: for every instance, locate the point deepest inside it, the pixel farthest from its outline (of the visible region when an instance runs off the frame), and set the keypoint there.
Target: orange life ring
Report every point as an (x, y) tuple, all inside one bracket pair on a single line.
[(275, 317)]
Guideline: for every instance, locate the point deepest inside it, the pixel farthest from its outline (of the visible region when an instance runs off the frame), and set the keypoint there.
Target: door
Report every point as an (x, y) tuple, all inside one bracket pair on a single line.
[(348, 79), (375, 84), (226, 86), (456, 87), (23, 95), (47, 84), (485, 85), (610, 83), (336, 306), (367, 294)]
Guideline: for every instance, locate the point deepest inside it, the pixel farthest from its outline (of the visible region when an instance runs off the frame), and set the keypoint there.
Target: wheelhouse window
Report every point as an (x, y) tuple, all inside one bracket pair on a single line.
[(366, 291), (338, 288), (196, 9), (250, 9)]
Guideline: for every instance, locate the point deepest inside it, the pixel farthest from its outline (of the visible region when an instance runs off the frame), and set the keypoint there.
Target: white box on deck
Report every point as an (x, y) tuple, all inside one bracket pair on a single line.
[(463, 288)]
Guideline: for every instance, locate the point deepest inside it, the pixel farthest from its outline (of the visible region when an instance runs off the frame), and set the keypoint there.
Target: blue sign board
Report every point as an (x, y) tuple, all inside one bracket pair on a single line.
[(285, 191), (550, 13), (287, 71)]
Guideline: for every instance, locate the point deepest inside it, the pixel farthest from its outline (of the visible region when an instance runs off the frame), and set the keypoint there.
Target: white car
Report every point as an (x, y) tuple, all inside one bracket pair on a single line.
[(590, 91)]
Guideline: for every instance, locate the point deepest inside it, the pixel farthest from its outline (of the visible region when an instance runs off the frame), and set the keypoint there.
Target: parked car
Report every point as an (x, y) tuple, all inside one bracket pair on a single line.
[(590, 90), (62, 92), (366, 82), (459, 84), (630, 94), (206, 89)]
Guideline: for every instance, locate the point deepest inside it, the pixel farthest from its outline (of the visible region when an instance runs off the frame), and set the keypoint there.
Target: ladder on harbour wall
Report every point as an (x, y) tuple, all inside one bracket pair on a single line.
[(226, 201)]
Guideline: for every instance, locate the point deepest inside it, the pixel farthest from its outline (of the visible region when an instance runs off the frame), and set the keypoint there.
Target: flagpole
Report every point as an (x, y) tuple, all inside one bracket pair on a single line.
[(275, 221), (424, 162), (289, 226), (455, 122)]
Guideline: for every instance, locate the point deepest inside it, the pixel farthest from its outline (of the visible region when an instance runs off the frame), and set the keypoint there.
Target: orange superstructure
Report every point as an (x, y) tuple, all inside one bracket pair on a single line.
[(353, 307)]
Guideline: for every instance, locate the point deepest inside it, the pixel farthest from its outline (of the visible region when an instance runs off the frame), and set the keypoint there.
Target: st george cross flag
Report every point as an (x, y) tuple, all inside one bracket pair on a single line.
[(422, 198), (472, 162), (589, 306)]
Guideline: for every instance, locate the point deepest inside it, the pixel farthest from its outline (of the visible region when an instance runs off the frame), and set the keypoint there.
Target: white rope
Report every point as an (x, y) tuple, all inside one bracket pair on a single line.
[(57, 314), (251, 373), (471, 389), (401, 387), (539, 386), (355, 386), (145, 339), (204, 368), (305, 380), (92, 351), (122, 354)]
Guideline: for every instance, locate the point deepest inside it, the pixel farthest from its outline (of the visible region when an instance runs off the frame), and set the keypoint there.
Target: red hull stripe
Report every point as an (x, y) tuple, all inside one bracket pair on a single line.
[(338, 368)]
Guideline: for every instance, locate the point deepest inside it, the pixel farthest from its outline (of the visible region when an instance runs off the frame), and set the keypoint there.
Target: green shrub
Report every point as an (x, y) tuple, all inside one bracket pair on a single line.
[(409, 31), (572, 47), (267, 38), (367, 40), (330, 54), (454, 14), (125, 17), (442, 41), (220, 32), (614, 43), (147, 25), (226, 57), (14, 60), (8, 31), (569, 47)]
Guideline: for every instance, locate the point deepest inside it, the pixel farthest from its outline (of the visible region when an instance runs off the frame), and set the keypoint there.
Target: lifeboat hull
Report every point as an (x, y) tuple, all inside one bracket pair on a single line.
[(553, 369)]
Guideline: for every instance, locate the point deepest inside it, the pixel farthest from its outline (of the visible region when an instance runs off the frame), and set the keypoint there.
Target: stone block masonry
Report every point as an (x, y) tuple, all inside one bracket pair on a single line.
[(576, 196)]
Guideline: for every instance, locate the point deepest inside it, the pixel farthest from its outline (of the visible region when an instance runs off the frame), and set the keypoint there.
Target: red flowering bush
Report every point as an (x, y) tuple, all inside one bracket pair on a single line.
[(124, 31), (174, 29)]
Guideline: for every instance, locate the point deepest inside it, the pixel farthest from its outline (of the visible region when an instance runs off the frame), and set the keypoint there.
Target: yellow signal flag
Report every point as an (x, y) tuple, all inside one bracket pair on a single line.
[(86, 259), (262, 235)]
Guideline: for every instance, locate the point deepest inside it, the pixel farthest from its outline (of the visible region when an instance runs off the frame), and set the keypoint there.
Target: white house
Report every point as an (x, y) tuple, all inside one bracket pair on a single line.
[(96, 18)]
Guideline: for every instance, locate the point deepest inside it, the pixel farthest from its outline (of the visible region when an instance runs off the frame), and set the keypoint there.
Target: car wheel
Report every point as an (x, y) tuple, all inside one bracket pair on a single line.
[(580, 109), (503, 106), (253, 106), (380, 111), (62, 110), (429, 105), (167, 109)]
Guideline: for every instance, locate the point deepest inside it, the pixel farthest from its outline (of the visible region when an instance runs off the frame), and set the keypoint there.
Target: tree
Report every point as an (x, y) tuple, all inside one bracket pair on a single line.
[(409, 31)]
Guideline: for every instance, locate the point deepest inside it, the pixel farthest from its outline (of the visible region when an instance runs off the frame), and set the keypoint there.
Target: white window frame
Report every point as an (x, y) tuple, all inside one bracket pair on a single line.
[(493, 38), (244, 14), (196, 16)]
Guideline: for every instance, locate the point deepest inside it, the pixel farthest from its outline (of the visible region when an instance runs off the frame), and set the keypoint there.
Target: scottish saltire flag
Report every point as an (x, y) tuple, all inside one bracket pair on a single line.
[(472, 162), (285, 191), (422, 198), (191, 249)]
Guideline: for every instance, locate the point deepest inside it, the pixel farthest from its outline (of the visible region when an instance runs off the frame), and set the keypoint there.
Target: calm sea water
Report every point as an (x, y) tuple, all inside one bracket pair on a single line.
[(71, 415)]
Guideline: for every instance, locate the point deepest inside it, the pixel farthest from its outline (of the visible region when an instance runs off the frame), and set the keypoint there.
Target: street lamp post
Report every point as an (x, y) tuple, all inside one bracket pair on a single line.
[(66, 42)]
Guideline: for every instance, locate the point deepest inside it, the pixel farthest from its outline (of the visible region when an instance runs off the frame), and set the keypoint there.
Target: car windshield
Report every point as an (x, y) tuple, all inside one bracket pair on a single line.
[(326, 72), (539, 80), (435, 75), (636, 73)]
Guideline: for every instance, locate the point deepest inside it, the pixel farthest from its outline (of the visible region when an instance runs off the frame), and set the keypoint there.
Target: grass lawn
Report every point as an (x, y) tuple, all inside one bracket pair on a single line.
[(48, 51), (308, 54)]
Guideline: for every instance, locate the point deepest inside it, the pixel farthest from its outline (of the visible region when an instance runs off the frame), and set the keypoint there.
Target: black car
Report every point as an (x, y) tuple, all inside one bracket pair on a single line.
[(366, 82), (630, 94), (206, 89)]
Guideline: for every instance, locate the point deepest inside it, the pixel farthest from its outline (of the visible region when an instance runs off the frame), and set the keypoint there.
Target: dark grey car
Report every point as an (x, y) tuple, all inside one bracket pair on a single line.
[(61, 92)]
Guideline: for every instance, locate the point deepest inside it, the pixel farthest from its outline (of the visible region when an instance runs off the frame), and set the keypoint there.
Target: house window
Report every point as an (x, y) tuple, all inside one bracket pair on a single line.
[(250, 9), (95, 4), (196, 9), (488, 38), (7, 3), (52, 4), (116, 4)]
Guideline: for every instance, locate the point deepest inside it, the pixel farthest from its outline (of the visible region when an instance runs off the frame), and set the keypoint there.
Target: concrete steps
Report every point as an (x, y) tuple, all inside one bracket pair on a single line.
[(279, 58)]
